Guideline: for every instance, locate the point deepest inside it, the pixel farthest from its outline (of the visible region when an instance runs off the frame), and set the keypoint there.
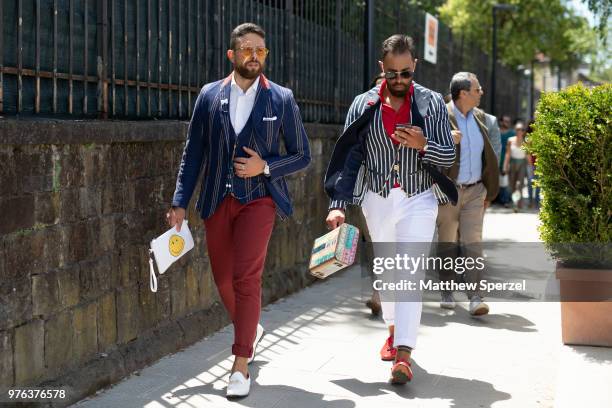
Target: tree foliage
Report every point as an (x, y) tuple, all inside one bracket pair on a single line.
[(549, 27), (602, 10)]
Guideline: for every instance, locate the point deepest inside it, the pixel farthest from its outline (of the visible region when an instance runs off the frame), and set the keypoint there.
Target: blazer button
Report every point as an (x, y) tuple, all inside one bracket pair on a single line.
[(396, 167)]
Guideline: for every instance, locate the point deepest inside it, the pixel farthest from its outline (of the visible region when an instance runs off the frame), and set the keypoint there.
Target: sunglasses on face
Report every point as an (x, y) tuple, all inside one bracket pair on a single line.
[(406, 74), (249, 52)]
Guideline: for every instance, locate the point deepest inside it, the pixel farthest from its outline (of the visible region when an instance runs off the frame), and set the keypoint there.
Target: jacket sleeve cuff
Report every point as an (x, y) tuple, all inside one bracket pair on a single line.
[(337, 204), (180, 203)]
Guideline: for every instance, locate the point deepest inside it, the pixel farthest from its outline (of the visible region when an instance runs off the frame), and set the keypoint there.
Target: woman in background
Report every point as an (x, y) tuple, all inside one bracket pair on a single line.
[(515, 163)]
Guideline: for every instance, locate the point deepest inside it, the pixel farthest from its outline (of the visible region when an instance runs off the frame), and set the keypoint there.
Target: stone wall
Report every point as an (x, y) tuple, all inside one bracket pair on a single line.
[(79, 203)]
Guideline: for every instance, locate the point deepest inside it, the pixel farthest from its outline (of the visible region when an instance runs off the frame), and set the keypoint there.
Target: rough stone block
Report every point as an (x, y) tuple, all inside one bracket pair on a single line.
[(69, 205), (11, 181), (85, 333), (90, 202), (95, 278), (17, 214), (148, 308), (127, 314), (15, 303), (68, 286), (163, 298), (106, 234), (6, 360), (192, 288), (107, 321), (58, 342), (177, 290), (69, 166), (77, 242), (29, 352), (53, 247), (45, 294), (47, 208)]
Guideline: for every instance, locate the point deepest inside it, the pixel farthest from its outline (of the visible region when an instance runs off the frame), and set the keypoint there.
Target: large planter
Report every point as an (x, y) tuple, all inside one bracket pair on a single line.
[(583, 321)]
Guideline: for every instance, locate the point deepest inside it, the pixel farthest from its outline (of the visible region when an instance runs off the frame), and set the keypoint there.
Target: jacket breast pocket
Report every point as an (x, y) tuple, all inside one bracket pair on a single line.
[(267, 131)]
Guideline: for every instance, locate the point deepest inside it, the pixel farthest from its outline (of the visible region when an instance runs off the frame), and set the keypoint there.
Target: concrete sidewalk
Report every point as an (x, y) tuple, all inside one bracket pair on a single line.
[(321, 350)]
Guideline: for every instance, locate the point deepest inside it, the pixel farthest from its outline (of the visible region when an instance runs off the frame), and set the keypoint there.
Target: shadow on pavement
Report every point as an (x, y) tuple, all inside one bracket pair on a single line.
[(433, 316), (306, 398), (460, 391)]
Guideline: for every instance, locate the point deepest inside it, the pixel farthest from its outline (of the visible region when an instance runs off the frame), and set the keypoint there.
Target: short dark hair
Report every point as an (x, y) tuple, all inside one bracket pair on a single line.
[(461, 81), (244, 29), (398, 44)]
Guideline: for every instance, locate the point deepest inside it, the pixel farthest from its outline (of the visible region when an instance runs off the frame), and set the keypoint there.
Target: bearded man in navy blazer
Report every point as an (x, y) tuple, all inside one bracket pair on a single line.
[(234, 137)]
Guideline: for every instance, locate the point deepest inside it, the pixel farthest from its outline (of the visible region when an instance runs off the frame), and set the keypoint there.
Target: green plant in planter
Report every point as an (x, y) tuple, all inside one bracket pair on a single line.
[(572, 143)]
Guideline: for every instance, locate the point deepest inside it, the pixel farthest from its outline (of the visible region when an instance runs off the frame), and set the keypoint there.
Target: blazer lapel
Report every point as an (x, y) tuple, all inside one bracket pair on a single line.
[(261, 110), (224, 106), (262, 98), (422, 98)]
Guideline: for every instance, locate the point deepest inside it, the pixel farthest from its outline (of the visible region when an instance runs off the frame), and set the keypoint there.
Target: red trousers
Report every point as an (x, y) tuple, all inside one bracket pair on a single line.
[(237, 237)]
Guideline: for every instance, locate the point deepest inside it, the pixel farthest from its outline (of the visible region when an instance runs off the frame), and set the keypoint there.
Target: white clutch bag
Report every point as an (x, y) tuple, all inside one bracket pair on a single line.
[(167, 249)]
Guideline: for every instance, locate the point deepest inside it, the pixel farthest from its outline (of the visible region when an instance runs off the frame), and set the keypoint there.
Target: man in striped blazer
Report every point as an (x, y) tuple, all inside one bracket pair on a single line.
[(378, 166), (234, 138)]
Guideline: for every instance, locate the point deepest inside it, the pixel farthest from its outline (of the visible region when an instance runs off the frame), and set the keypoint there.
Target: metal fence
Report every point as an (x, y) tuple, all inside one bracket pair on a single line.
[(149, 58)]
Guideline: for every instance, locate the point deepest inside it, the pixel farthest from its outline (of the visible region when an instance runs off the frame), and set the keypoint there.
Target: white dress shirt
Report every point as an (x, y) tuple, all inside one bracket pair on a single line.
[(472, 145), (241, 104)]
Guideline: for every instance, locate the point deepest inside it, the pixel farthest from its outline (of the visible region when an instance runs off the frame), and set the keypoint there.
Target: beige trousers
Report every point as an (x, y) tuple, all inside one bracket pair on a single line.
[(462, 224)]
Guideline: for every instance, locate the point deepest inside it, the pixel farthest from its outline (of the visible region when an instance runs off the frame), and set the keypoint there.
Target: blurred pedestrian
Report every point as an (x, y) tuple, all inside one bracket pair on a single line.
[(506, 132), (515, 165), (532, 189)]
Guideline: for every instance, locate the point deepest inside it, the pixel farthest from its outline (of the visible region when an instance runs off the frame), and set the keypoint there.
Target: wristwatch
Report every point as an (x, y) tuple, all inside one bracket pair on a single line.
[(424, 149), (266, 170)]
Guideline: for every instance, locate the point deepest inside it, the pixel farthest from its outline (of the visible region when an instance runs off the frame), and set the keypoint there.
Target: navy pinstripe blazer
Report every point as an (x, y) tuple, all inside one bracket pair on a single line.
[(275, 116)]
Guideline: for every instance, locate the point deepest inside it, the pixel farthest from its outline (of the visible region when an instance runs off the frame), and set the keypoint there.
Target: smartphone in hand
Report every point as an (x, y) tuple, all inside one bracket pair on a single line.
[(401, 126)]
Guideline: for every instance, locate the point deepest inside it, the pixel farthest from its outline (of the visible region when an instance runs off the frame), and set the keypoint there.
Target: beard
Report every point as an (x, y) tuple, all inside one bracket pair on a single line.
[(249, 73), (398, 90)]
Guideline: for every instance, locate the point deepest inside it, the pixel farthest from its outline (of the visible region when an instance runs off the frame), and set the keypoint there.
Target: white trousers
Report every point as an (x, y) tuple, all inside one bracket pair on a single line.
[(401, 219)]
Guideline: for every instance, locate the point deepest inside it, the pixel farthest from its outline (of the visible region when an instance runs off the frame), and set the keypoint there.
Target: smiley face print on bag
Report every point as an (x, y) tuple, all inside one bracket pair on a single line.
[(176, 245)]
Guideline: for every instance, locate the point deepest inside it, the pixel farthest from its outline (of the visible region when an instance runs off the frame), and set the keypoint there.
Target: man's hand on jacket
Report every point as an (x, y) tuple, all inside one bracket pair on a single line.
[(249, 167)]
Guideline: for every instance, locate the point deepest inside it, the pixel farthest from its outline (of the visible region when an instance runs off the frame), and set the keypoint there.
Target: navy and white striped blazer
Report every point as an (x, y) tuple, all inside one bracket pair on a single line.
[(275, 116), (375, 174)]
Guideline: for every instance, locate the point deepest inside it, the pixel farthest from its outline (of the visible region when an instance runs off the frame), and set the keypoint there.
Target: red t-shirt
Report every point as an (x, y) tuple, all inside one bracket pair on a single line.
[(391, 118)]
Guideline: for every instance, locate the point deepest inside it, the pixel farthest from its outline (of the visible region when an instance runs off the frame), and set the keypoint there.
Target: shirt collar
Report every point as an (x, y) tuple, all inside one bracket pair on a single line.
[(251, 89), (458, 112)]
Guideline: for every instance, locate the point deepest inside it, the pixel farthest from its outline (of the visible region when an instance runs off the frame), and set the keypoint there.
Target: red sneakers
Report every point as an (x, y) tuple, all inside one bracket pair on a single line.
[(401, 372), (388, 352)]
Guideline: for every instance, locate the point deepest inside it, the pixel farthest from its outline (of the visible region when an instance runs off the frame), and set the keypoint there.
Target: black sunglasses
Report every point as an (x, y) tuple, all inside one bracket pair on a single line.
[(406, 74)]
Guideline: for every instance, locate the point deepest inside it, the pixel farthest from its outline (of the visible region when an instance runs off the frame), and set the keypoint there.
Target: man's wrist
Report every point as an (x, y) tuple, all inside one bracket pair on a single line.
[(424, 147), (266, 169)]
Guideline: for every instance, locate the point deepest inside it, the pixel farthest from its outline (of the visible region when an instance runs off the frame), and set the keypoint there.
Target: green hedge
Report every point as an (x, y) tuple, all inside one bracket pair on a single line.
[(571, 141)]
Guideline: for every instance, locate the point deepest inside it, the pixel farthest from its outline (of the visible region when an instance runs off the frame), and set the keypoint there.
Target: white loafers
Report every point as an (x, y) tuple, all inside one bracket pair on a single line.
[(258, 337), (238, 386)]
